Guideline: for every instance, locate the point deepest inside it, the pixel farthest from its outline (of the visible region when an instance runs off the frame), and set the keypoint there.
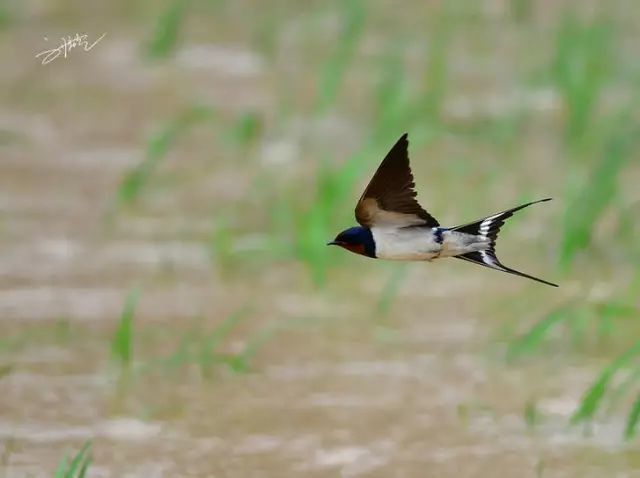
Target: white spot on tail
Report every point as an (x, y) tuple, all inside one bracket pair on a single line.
[(485, 225)]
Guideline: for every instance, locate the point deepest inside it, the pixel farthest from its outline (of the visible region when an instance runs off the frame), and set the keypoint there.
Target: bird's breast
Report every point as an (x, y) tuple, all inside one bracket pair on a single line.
[(406, 244)]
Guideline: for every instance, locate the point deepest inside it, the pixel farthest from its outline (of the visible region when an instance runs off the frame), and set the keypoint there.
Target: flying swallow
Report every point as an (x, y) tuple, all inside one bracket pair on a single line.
[(394, 226)]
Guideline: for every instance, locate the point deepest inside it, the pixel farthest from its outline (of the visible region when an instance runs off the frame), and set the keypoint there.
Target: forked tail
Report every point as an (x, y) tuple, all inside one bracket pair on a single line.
[(488, 228)]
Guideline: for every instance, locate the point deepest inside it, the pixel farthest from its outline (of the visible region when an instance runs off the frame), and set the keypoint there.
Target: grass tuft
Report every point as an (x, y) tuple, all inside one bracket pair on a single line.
[(79, 464)]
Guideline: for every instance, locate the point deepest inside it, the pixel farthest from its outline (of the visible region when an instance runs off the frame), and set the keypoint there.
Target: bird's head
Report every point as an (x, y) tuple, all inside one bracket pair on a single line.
[(356, 239)]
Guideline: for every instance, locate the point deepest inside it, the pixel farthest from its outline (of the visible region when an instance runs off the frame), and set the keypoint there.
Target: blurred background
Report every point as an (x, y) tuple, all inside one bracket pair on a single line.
[(168, 306)]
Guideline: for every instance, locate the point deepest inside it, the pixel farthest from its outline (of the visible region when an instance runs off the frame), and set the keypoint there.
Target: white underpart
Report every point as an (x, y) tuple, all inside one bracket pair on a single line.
[(420, 244), (405, 244)]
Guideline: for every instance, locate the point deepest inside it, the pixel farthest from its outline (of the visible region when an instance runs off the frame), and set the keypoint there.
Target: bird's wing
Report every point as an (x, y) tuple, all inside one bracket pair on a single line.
[(390, 198)]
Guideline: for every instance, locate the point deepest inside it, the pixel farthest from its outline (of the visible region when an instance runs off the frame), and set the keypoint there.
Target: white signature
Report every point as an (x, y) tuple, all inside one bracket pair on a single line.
[(68, 43)]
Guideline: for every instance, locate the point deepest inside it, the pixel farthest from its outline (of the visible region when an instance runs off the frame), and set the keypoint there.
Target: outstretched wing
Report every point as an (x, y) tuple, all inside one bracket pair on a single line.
[(390, 198)]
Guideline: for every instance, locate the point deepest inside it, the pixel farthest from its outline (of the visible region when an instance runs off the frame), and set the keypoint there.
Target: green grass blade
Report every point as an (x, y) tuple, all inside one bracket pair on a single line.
[(632, 419), (221, 243), (593, 397), (61, 471), (589, 205), (317, 224), (167, 29), (622, 389), (207, 352), (82, 473), (436, 73), (581, 68), (336, 67), (247, 128), (391, 96), (531, 414), (226, 326), (157, 149), (80, 462), (591, 400), (122, 342), (534, 337), (78, 466)]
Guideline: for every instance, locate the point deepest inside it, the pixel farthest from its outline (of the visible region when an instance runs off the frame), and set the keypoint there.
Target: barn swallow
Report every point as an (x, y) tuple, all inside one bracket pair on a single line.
[(394, 226)]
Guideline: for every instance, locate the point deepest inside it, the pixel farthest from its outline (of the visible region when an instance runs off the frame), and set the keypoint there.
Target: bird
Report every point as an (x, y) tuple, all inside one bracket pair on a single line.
[(394, 226)]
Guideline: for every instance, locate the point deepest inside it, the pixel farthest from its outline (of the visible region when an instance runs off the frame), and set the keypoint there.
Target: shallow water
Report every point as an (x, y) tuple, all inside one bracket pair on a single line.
[(334, 389)]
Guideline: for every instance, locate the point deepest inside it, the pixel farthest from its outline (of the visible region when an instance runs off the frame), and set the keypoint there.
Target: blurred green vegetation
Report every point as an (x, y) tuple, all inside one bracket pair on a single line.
[(201, 348), (165, 35), (122, 342), (334, 70), (581, 70), (355, 76), (597, 146), (157, 148)]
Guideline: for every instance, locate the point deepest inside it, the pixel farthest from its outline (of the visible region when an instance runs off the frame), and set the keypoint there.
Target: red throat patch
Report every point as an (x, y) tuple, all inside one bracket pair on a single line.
[(357, 248)]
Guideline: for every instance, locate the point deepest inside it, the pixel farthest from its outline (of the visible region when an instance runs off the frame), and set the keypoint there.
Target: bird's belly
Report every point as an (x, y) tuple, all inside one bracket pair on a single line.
[(406, 255), (456, 243), (409, 244)]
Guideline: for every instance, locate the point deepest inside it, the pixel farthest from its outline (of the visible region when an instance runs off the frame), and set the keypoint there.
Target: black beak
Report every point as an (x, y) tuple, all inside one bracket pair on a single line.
[(333, 243)]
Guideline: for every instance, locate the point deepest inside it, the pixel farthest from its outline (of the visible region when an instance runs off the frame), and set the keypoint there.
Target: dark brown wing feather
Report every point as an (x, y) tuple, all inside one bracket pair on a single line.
[(390, 198)]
